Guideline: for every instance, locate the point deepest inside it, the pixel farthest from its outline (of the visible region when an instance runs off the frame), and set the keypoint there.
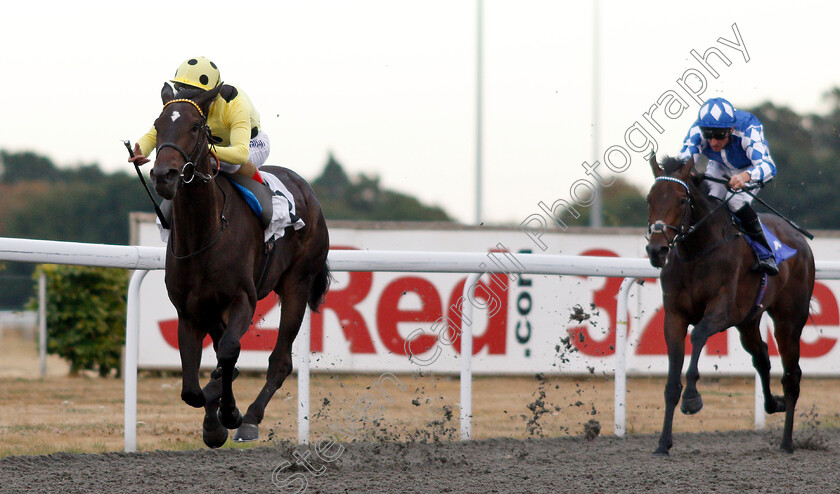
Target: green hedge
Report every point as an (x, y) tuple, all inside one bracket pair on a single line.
[(86, 309)]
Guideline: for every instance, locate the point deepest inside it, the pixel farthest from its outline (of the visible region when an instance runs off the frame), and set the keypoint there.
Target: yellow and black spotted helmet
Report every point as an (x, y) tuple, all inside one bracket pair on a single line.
[(198, 72)]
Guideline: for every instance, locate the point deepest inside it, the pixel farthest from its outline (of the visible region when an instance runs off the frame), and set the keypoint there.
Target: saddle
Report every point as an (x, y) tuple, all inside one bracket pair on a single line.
[(257, 195), (780, 251)]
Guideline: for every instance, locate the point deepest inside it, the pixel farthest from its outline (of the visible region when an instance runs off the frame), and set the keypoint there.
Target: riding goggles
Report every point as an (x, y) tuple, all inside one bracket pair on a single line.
[(710, 133)]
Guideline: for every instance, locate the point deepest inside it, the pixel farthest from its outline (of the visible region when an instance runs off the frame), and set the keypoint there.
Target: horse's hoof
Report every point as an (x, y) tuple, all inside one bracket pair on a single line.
[(195, 400), (231, 419), (775, 405), (691, 405), (661, 453), (247, 433), (215, 438), (787, 447)]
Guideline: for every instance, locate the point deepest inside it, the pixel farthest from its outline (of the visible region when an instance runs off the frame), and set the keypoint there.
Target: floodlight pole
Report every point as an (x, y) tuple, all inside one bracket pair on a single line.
[(596, 213), (478, 114)]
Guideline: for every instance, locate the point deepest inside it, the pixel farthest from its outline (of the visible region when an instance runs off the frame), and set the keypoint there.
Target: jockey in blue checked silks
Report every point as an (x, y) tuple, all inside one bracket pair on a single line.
[(734, 142)]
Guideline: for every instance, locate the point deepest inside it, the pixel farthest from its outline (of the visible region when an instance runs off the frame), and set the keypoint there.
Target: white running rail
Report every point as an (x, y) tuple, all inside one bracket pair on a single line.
[(142, 259)]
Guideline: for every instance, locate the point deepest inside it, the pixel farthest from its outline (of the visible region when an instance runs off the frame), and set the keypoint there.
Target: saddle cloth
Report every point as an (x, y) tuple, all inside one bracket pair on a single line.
[(283, 212), (780, 250)]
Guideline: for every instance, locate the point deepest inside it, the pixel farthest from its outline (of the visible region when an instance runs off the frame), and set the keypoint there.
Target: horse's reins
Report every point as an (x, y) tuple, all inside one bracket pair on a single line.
[(685, 229), (190, 163), (762, 287), (780, 215), (659, 227), (204, 177), (212, 242)]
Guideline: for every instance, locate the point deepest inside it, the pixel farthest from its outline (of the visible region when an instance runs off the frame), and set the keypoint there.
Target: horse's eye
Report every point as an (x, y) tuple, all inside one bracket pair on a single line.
[(196, 127), (683, 200)]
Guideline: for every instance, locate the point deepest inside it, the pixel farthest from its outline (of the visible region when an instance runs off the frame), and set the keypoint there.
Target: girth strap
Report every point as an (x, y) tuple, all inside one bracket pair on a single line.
[(268, 254), (762, 288)]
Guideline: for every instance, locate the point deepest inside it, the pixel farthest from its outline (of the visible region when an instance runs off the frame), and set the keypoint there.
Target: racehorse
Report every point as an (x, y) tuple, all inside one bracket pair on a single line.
[(218, 265), (708, 282)]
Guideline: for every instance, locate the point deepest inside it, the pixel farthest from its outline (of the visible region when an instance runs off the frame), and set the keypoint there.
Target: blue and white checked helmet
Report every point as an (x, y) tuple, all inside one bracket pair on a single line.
[(717, 113)]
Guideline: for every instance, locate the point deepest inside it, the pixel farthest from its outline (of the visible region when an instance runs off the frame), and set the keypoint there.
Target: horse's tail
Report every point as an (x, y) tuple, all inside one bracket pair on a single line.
[(320, 285)]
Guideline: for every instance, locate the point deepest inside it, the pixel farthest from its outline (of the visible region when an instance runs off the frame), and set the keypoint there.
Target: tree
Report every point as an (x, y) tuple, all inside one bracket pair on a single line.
[(40, 201), (20, 167), (363, 198), (86, 310), (94, 211), (806, 150), (333, 182), (622, 205)]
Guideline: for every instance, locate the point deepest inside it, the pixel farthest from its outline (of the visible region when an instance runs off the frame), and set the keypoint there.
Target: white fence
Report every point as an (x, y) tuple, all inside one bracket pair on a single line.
[(143, 259)]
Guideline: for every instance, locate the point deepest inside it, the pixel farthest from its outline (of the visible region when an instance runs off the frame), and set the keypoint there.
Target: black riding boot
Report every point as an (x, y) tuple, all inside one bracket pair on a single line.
[(749, 220)]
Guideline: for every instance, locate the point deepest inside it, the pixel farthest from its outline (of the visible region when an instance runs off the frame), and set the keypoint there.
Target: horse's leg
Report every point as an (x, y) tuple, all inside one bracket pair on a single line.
[(757, 348), (788, 323), (294, 297), (710, 325), (213, 432), (213, 389), (675, 329), (240, 314), (189, 345)]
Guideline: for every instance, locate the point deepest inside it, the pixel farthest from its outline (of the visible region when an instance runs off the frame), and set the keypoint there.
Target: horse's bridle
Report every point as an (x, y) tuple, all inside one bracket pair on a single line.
[(686, 228), (682, 231), (201, 143), (188, 171)]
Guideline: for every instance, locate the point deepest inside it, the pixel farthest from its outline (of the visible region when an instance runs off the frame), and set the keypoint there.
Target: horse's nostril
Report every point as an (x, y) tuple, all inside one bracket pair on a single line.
[(166, 175), (658, 252)]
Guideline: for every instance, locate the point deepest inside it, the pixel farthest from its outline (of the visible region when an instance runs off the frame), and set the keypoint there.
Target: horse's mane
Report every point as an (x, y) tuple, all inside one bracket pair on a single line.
[(188, 93), (227, 91), (671, 165)]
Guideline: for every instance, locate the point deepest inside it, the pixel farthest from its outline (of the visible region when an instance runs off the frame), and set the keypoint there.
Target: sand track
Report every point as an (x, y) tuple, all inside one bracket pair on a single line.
[(701, 462)]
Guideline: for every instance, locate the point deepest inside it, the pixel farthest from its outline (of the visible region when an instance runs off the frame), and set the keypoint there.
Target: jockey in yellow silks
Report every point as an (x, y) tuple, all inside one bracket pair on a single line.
[(240, 144)]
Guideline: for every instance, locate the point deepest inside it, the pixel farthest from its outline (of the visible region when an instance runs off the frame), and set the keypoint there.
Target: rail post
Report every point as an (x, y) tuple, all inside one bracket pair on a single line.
[(466, 355), (132, 342)]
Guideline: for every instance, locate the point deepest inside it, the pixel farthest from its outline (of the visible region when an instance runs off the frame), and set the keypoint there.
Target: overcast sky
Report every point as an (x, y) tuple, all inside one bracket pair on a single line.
[(389, 86)]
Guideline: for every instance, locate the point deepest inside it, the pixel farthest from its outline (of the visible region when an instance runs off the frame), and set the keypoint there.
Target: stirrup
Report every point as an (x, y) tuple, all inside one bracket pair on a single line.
[(768, 266)]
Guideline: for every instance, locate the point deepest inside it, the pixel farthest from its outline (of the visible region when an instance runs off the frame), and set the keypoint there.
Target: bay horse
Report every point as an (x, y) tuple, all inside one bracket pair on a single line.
[(708, 282), (218, 265)]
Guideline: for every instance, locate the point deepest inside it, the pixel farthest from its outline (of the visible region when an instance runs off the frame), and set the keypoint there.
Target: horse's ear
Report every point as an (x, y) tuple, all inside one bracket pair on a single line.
[(205, 98), (167, 94), (657, 170), (687, 168)]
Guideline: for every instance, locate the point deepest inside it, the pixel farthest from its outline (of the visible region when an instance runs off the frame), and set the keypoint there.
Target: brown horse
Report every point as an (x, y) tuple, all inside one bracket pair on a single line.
[(218, 267), (708, 282)]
